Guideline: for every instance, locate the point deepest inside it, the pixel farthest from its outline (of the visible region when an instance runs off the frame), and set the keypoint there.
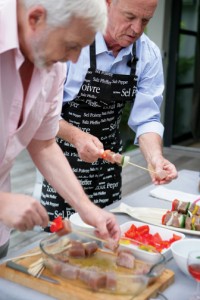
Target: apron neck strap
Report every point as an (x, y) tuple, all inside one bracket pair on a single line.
[(93, 55), (133, 61)]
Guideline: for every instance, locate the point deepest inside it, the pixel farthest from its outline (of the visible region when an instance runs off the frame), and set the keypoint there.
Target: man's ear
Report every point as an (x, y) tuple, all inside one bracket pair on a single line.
[(108, 2), (36, 16)]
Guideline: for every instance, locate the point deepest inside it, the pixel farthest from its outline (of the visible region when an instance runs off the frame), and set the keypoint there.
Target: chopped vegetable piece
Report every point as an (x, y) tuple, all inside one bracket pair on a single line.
[(105, 153), (195, 210), (117, 158), (188, 206), (143, 229), (148, 241), (175, 238), (174, 204), (147, 248), (57, 224), (163, 218), (124, 242), (125, 160), (182, 221)]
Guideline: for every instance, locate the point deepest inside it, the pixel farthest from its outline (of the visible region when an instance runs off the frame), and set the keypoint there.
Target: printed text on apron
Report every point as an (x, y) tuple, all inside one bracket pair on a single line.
[(97, 109)]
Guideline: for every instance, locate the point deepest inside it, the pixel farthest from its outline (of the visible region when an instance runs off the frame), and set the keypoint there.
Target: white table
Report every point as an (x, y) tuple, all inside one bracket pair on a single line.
[(183, 286), (188, 182)]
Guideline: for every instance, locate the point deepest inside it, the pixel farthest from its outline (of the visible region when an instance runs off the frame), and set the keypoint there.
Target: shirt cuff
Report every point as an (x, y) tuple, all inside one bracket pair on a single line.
[(155, 127)]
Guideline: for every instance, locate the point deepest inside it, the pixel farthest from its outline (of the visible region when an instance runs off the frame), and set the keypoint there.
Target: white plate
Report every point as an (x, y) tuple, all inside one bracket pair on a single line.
[(150, 215), (150, 256), (78, 224)]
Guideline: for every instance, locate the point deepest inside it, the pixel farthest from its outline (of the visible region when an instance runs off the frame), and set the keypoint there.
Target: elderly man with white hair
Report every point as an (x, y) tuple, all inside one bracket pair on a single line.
[(36, 36)]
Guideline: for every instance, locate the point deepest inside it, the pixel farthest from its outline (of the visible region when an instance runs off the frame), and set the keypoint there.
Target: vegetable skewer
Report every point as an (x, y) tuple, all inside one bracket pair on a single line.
[(124, 160)]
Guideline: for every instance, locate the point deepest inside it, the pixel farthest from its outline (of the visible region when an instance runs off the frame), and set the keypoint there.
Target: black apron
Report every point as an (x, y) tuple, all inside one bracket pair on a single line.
[(97, 109)]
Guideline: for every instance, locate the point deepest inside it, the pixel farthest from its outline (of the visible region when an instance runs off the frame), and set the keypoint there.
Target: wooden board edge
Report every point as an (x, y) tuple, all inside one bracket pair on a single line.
[(48, 288), (161, 284)]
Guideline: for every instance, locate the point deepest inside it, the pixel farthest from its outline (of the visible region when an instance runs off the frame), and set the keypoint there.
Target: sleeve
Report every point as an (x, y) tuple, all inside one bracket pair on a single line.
[(50, 123), (145, 113)]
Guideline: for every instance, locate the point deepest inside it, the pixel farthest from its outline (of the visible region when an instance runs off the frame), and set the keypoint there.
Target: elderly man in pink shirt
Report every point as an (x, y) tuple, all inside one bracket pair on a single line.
[(35, 37)]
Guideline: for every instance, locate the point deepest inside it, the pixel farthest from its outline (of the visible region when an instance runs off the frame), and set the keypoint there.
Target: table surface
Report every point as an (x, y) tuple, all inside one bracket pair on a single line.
[(183, 286)]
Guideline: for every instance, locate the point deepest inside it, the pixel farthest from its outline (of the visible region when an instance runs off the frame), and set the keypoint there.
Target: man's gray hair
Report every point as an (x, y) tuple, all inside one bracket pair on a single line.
[(60, 12)]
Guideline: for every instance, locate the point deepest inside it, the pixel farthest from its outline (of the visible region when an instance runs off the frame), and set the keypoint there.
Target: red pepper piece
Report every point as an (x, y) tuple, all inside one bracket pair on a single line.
[(130, 234), (105, 153), (163, 217), (57, 224), (157, 238), (175, 238), (175, 204), (144, 229), (133, 228), (142, 234)]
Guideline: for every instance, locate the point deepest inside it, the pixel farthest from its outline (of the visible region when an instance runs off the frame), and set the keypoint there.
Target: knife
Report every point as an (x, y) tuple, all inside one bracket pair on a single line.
[(23, 269)]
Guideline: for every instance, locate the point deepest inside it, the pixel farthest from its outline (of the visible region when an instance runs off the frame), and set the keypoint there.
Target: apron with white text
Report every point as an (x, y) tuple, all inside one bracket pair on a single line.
[(97, 109)]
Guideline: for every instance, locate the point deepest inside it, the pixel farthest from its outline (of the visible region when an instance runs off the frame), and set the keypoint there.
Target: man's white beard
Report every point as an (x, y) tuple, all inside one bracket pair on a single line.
[(37, 46), (39, 62)]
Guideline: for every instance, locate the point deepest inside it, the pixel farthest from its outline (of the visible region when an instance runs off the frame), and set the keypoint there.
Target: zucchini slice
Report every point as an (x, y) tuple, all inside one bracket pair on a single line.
[(125, 160)]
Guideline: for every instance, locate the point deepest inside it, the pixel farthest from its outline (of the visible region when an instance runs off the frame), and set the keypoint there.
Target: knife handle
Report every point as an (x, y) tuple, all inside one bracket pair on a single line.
[(14, 266)]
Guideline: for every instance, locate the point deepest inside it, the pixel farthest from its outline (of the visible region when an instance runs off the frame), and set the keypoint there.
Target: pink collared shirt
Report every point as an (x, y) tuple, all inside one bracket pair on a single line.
[(42, 104)]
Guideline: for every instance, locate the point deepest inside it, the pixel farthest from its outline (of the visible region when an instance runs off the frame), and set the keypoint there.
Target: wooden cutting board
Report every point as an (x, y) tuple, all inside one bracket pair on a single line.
[(67, 289)]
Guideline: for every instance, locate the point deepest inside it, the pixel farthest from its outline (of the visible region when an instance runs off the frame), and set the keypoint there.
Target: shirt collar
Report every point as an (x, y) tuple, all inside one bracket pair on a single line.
[(101, 47)]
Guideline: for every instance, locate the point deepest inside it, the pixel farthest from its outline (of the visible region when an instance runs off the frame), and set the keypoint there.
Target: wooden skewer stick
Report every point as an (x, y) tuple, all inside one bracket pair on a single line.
[(22, 256), (40, 272), (107, 243), (130, 163), (83, 233), (36, 268)]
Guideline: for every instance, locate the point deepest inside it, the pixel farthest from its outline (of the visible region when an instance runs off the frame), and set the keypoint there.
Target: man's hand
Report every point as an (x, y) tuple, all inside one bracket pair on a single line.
[(104, 222), (165, 170), (88, 146), (22, 212), (151, 147)]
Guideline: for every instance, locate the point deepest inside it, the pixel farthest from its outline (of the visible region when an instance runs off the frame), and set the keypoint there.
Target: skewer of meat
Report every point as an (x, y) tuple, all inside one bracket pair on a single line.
[(124, 160), (185, 207), (180, 206), (115, 158), (175, 219)]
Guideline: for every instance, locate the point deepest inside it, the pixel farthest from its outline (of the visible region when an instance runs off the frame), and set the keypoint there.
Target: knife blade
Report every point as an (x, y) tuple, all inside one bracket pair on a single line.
[(18, 267)]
